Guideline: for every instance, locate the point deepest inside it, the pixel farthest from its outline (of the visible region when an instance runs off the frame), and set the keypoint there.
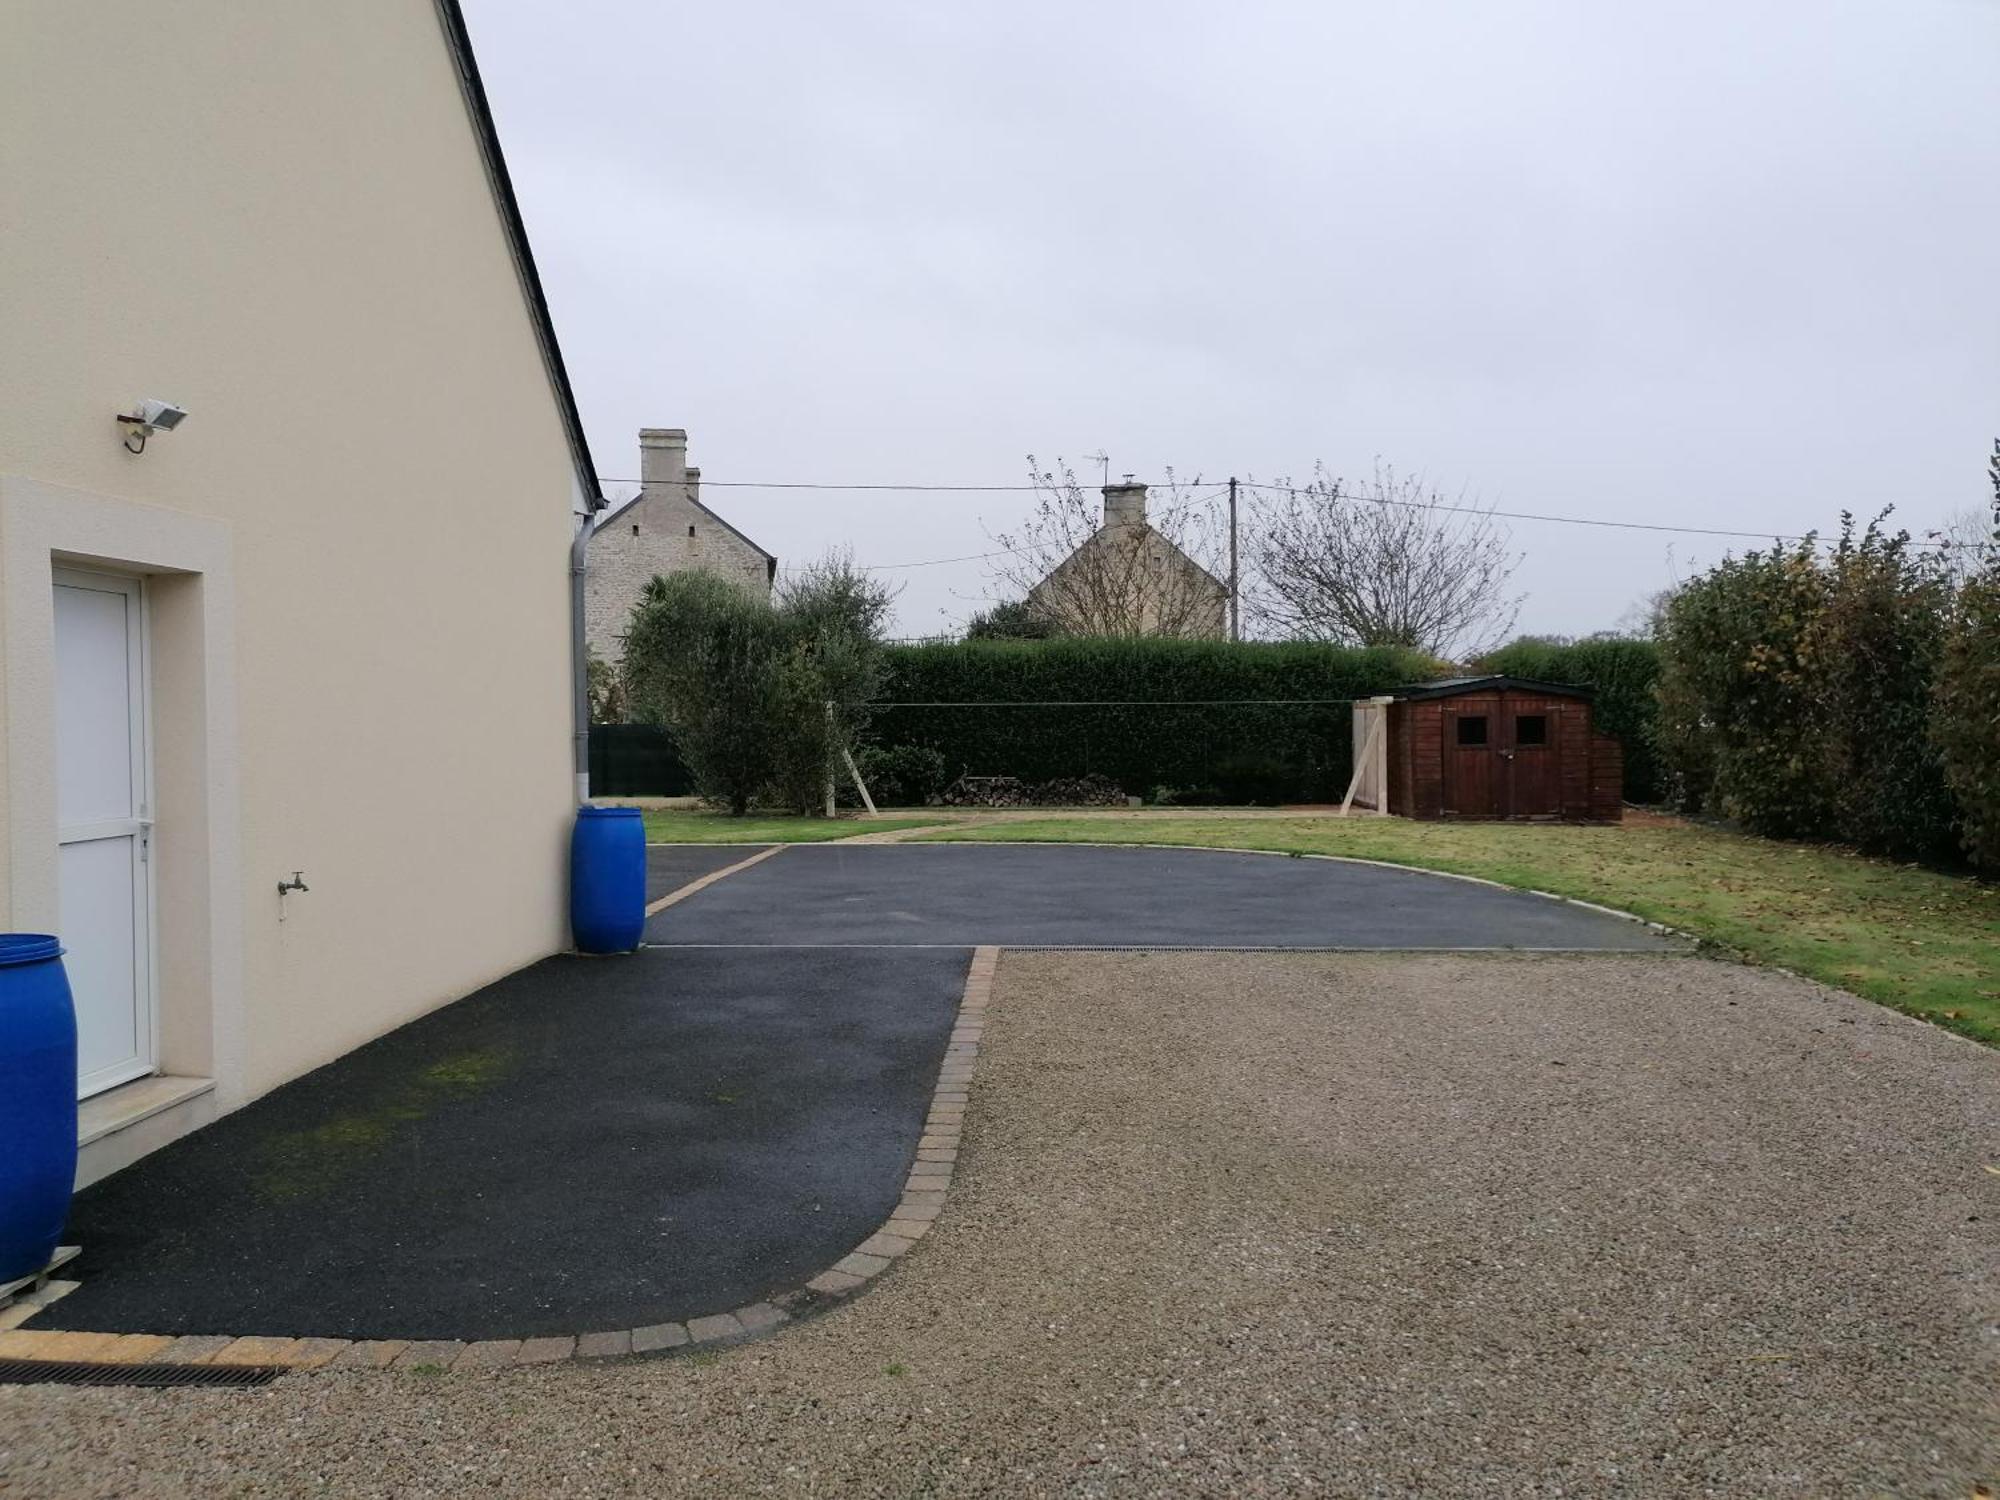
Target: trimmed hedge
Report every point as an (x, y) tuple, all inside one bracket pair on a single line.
[(1040, 710), (1622, 672)]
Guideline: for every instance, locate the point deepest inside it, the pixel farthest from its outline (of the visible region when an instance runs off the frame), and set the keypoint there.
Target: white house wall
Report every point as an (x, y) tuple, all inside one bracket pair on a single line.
[(276, 216)]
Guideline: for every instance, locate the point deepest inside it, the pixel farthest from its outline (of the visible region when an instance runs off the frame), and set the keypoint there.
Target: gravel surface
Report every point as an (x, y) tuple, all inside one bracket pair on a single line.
[(1276, 1224)]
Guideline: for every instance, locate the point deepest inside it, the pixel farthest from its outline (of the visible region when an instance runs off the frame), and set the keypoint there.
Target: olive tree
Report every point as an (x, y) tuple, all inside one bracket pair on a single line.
[(761, 696), (698, 662), (831, 617)]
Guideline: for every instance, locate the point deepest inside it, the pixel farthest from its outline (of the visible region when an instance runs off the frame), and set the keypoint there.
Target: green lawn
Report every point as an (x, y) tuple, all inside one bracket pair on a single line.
[(1919, 941), (699, 826)]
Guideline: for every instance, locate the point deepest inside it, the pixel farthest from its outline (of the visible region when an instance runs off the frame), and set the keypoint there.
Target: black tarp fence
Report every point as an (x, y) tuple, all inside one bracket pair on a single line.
[(636, 760)]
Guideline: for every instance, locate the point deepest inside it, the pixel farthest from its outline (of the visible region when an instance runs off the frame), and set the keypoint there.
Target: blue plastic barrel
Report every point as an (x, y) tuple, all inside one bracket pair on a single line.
[(607, 879), (37, 1101)]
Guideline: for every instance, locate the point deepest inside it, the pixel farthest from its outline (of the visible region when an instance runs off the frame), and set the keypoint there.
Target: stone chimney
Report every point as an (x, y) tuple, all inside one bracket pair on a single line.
[(1125, 504), (663, 453)]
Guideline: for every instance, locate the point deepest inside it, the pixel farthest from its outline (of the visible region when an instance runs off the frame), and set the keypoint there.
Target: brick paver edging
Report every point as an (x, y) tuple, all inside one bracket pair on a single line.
[(923, 1199)]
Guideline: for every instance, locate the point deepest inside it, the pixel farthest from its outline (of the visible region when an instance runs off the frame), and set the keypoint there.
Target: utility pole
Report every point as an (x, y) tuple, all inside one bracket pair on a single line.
[(1235, 610)]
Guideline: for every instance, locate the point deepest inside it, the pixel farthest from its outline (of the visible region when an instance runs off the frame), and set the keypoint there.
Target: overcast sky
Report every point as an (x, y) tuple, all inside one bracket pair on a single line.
[(1716, 264)]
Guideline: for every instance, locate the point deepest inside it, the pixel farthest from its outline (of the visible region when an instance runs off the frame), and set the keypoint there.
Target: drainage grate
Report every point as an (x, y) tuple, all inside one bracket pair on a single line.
[(83, 1372)]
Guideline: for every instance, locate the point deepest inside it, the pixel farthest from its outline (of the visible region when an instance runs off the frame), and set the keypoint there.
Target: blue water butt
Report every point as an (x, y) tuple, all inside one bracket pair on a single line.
[(37, 1101), (607, 879)]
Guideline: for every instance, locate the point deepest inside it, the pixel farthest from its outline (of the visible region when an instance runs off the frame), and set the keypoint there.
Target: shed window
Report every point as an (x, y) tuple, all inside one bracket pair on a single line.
[(1472, 729), (1531, 729)]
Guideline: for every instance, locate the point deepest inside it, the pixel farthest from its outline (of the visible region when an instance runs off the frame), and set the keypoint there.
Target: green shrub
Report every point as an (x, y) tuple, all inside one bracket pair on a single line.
[(1965, 724), (1736, 666), (1187, 796), (1873, 653), (1622, 673), (1014, 620), (1796, 693), (1044, 710), (1683, 747), (902, 775)]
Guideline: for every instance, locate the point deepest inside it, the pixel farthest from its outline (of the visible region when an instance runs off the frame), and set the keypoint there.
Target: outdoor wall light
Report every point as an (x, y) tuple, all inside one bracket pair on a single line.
[(152, 416)]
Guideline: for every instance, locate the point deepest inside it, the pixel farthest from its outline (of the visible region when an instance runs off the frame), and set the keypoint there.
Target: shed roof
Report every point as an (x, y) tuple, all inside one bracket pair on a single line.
[(1452, 687)]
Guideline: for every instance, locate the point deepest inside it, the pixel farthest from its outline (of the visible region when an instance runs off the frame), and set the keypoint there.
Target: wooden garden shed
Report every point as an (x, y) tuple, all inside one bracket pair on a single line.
[(1487, 747)]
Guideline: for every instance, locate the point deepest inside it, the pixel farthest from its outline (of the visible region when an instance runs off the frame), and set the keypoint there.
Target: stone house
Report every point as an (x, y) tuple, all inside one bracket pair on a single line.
[(665, 528), (1128, 578)]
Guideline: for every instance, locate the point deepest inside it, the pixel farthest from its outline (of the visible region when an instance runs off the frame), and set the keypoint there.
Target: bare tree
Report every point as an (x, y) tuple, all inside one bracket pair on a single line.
[(1386, 562), (1962, 544), (1644, 617), (1149, 573)]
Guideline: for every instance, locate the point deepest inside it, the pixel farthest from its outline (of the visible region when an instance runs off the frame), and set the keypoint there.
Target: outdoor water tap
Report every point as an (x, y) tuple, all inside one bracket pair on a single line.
[(296, 883)]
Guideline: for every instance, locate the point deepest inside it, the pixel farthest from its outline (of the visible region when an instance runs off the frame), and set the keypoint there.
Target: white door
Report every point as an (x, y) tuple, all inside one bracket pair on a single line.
[(103, 809)]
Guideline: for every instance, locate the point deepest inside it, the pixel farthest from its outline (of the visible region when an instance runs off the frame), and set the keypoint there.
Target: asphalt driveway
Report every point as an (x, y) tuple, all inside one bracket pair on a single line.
[(623, 1142), (1021, 896), (590, 1144), (671, 866)]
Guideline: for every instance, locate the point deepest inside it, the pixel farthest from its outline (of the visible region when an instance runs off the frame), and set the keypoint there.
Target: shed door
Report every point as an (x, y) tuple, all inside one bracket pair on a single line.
[(1530, 749), (1473, 784), (102, 780)]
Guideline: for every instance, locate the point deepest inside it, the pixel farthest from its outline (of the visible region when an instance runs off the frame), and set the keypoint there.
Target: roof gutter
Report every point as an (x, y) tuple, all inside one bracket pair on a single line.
[(459, 40)]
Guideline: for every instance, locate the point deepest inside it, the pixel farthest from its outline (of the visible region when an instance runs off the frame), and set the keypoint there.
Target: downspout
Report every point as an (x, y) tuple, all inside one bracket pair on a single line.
[(579, 649)]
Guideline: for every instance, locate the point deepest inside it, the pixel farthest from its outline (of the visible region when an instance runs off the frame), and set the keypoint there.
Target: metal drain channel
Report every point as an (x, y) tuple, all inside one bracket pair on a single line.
[(84, 1372)]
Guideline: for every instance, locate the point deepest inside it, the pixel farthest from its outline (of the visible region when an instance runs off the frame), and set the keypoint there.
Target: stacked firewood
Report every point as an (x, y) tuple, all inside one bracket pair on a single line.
[(1010, 791)]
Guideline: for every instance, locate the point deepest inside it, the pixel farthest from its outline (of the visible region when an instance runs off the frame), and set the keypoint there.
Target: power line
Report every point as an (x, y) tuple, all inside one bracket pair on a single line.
[(1475, 510), (934, 562), (1521, 515)]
